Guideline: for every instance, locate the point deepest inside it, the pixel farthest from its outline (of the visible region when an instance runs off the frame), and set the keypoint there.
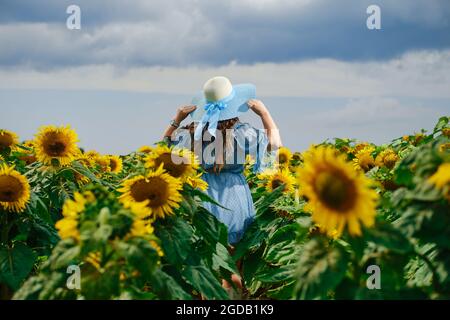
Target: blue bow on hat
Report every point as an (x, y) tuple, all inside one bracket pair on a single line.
[(211, 116)]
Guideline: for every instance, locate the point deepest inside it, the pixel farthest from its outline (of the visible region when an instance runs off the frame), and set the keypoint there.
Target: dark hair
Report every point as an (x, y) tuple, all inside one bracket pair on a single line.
[(223, 126)]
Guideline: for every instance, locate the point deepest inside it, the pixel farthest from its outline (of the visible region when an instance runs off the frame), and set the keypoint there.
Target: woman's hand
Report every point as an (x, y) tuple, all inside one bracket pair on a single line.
[(183, 112), (258, 107)]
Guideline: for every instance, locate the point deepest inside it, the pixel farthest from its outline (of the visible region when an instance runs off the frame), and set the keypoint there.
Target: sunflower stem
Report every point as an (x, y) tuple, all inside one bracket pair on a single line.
[(6, 227), (3, 225)]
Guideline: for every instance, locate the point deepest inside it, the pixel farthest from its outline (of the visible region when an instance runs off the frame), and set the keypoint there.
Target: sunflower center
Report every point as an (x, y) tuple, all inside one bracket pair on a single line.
[(155, 190), (389, 161), (113, 165), (55, 145), (335, 191), (282, 158), (10, 189), (174, 164), (276, 183), (366, 162), (5, 141)]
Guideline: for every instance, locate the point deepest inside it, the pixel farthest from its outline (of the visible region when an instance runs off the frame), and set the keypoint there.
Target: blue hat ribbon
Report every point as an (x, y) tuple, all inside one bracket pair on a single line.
[(211, 116)]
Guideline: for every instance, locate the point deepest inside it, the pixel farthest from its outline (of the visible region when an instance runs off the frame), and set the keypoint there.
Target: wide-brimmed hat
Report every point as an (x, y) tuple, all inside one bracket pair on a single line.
[(220, 100)]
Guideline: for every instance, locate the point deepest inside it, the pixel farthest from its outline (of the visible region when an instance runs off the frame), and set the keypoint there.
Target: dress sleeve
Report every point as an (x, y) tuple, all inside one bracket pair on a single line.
[(253, 142)]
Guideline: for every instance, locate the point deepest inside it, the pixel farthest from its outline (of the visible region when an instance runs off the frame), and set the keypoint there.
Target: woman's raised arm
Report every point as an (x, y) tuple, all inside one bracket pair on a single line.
[(182, 113), (273, 133)]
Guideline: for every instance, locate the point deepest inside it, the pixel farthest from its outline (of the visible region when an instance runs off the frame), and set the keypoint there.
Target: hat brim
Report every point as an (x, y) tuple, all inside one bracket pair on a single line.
[(235, 107)]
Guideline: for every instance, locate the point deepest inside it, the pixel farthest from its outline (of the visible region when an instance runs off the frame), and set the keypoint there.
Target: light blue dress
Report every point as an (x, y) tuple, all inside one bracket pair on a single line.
[(229, 187)]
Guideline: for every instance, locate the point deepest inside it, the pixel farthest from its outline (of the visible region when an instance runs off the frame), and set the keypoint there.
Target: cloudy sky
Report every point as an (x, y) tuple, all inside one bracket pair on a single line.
[(316, 65)]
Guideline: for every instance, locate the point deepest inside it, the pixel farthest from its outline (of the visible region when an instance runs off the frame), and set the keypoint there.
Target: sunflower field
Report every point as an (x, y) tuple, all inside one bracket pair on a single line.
[(134, 226)]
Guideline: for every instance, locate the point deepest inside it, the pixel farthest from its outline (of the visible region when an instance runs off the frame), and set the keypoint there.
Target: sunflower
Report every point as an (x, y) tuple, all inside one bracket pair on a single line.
[(418, 137), (14, 189), (318, 229), (364, 160), (158, 190), (27, 152), (179, 163), (264, 175), (115, 164), (441, 177), (157, 247), (28, 144), (359, 146), (56, 143), (92, 155), (145, 149), (444, 147), (346, 149), (297, 156), (338, 195), (81, 179), (86, 161), (95, 259), (387, 158), (68, 225), (141, 228), (446, 132), (283, 157), (8, 139), (103, 163), (197, 182), (281, 178)]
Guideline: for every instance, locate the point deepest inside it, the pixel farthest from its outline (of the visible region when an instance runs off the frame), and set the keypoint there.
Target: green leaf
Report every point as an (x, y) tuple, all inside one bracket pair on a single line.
[(206, 198), (175, 235), (65, 253), (222, 258), (167, 288), (275, 274), (66, 258), (15, 264), (207, 226), (139, 254), (253, 238), (321, 268), (78, 167), (442, 123), (263, 203), (97, 285), (404, 176), (251, 264), (202, 279), (385, 235), (283, 292), (281, 253), (281, 246)]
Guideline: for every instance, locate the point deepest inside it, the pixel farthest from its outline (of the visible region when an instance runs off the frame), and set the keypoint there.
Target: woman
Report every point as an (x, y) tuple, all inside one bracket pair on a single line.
[(215, 120)]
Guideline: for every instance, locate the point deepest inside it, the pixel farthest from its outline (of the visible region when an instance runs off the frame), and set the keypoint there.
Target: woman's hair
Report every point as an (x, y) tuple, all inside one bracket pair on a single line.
[(222, 126)]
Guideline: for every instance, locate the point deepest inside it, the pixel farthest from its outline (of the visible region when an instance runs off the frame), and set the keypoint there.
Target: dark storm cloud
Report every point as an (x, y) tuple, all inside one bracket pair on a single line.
[(195, 32)]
